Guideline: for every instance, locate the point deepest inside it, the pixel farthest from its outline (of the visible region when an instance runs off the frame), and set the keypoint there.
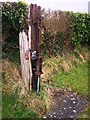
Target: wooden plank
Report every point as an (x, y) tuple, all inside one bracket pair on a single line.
[(30, 67), (21, 51), (26, 62), (23, 42), (26, 69), (29, 46), (22, 57)]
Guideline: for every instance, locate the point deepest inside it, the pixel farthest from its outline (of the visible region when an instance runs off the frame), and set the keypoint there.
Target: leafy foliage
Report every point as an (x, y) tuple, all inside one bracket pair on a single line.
[(65, 30), (14, 15), (81, 25), (58, 25)]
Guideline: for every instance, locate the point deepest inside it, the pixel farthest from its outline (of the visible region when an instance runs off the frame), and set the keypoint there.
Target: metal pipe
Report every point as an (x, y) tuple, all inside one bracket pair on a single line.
[(38, 85)]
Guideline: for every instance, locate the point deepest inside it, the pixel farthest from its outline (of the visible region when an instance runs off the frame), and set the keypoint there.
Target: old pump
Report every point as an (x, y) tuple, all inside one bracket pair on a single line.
[(36, 60)]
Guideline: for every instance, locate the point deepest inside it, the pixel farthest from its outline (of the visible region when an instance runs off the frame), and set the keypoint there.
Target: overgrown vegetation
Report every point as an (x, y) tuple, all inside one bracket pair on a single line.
[(14, 17), (67, 66), (17, 102), (60, 72), (69, 73), (12, 108), (65, 30), (81, 25)]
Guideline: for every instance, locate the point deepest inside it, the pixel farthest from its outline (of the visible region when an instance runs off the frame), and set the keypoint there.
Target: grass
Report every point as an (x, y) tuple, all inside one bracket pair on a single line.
[(17, 102), (76, 79), (12, 55), (31, 106), (12, 109), (84, 114)]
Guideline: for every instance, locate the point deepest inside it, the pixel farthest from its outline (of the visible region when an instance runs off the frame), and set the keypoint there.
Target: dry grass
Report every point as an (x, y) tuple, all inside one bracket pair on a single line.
[(65, 63), (10, 77), (12, 81), (39, 104)]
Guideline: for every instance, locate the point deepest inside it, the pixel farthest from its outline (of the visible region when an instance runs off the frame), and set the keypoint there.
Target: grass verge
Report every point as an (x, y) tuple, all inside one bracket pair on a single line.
[(75, 80), (59, 72), (12, 108)]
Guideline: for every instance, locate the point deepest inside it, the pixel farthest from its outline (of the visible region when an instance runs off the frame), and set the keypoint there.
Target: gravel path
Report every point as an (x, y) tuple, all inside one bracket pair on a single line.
[(68, 106)]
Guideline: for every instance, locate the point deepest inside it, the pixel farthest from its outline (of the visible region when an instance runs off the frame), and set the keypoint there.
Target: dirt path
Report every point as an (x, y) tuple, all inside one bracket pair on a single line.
[(68, 105)]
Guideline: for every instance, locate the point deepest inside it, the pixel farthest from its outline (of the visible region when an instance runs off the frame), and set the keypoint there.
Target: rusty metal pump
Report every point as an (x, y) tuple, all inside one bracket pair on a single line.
[(36, 60)]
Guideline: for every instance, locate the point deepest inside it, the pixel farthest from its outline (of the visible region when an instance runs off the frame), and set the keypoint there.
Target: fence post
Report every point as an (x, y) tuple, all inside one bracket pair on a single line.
[(30, 67)]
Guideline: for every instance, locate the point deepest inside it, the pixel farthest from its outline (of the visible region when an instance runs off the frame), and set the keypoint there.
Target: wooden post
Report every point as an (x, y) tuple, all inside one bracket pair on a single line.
[(26, 69), (28, 41)]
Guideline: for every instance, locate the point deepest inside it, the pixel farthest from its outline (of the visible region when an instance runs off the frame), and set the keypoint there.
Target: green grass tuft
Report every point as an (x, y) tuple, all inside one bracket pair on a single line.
[(76, 79), (12, 109)]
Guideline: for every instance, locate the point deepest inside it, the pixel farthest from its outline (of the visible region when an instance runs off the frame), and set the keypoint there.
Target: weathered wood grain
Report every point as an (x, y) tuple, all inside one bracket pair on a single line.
[(24, 44)]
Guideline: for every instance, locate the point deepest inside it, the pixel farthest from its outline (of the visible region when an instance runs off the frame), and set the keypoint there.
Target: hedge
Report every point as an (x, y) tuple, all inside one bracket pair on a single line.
[(81, 25), (65, 30)]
